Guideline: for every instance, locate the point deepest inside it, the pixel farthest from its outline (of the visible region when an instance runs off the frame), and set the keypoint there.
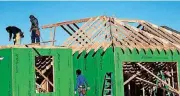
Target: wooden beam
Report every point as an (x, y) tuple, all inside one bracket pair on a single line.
[(66, 22), (154, 84), (44, 76), (119, 43), (76, 25), (155, 32), (124, 41), (138, 26), (99, 30), (128, 20), (66, 30), (136, 32), (131, 78), (83, 27), (41, 87), (54, 35), (150, 43), (143, 91), (175, 90), (41, 42), (83, 33), (174, 34), (164, 34), (159, 43), (129, 35), (71, 28), (100, 42)]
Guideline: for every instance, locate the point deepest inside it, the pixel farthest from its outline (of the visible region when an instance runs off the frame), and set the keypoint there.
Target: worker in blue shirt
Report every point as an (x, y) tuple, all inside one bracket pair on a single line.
[(81, 84)]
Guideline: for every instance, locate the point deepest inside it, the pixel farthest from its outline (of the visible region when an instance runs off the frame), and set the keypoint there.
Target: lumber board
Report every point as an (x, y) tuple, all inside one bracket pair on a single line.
[(67, 22)]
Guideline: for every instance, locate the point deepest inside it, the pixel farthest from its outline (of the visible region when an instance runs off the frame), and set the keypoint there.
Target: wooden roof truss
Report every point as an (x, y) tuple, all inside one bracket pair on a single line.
[(103, 32)]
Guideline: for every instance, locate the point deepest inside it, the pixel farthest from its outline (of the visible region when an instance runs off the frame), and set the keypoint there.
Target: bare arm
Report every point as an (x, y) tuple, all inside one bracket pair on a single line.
[(10, 36), (30, 29)]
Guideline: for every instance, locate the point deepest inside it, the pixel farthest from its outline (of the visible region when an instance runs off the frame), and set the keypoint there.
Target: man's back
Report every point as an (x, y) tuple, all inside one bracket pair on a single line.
[(81, 83), (14, 30), (81, 80)]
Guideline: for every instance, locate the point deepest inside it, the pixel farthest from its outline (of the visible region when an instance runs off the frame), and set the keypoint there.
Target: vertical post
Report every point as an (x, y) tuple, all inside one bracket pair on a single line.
[(129, 89), (172, 77), (143, 91), (51, 35), (54, 33), (175, 90), (151, 91), (47, 86)]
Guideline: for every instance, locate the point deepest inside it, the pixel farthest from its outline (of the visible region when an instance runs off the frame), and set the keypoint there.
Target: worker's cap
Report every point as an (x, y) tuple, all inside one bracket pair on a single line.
[(8, 28), (31, 16)]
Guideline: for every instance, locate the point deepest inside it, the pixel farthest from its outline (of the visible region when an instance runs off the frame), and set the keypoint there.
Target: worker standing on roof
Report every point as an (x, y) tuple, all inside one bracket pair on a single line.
[(17, 34), (35, 33), (81, 84)]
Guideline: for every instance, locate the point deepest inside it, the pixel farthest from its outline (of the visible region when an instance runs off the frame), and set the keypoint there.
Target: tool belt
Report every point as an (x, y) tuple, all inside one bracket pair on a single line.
[(37, 31), (82, 89)]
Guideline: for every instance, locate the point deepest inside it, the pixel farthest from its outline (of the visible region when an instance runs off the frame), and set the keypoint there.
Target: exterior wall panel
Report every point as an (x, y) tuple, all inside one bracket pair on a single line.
[(20, 72), (6, 72)]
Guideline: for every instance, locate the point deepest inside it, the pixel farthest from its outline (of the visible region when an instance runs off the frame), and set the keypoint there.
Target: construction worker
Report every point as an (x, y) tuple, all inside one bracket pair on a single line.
[(17, 34), (167, 74), (81, 84), (35, 33)]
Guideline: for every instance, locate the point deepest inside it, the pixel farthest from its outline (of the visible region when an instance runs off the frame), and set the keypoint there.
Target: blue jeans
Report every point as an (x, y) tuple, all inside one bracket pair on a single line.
[(34, 37), (80, 94)]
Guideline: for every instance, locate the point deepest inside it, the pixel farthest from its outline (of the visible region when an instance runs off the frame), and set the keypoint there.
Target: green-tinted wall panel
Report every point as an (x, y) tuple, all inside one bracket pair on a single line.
[(94, 66), (18, 64), (119, 86), (141, 55), (20, 72), (5, 72), (63, 71)]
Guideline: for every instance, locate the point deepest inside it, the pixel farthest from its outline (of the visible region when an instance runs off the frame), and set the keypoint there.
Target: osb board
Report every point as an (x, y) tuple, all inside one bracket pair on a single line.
[(23, 72), (94, 67), (5, 72)]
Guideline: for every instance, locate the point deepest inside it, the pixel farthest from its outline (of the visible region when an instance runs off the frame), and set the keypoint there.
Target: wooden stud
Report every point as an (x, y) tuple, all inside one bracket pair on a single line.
[(175, 90), (44, 77), (68, 22), (74, 35), (71, 28), (54, 35), (163, 34), (155, 85), (131, 78), (80, 31)]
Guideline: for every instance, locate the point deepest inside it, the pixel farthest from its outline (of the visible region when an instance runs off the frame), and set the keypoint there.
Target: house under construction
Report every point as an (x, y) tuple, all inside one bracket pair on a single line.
[(119, 57)]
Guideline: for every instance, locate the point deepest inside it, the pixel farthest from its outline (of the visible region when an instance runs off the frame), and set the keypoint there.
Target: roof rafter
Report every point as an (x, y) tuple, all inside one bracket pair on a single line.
[(103, 32), (67, 22)]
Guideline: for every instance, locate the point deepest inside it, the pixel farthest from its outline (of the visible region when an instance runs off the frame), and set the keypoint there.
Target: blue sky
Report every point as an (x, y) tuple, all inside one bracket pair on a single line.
[(17, 14)]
